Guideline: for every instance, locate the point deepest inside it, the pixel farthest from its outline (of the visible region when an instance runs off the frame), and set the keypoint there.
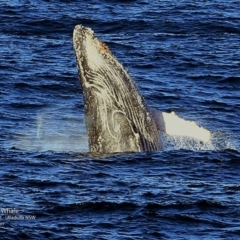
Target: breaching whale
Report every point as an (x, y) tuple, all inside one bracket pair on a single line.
[(116, 115)]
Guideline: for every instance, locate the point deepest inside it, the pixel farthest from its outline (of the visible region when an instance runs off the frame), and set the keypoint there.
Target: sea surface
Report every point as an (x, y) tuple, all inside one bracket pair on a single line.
[(185, 57)]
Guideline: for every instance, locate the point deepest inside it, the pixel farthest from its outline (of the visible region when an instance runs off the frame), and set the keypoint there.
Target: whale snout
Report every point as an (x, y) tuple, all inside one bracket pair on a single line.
[(80, 30), (84, 40)]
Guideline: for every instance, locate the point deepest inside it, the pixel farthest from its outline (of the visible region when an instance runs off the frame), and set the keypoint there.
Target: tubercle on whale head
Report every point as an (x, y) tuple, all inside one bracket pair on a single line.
[(86, 45), (104, 48)]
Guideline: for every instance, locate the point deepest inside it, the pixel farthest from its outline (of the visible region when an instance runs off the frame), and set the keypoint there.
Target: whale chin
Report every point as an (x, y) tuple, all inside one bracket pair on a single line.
[(117, 117)]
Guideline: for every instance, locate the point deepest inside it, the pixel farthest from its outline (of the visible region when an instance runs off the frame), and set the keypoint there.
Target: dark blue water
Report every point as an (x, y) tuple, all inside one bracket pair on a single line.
[(185, 57)]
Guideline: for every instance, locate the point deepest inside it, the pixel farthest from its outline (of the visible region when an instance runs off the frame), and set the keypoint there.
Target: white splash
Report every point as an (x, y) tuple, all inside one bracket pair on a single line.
[(52, 132), (177, 133), (176, 126)]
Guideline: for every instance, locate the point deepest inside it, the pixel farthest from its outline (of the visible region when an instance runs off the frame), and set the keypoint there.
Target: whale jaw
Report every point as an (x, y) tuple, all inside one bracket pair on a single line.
[(117, 118)]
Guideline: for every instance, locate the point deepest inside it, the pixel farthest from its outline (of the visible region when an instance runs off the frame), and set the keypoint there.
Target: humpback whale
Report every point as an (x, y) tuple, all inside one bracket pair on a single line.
[(116, 115)]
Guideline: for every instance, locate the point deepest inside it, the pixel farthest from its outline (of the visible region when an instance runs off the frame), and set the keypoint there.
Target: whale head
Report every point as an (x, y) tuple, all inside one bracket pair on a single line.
[(116, 115)]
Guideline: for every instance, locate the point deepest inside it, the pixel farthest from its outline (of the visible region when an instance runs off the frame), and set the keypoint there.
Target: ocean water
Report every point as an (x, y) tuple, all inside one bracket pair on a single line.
[(185, 57)]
